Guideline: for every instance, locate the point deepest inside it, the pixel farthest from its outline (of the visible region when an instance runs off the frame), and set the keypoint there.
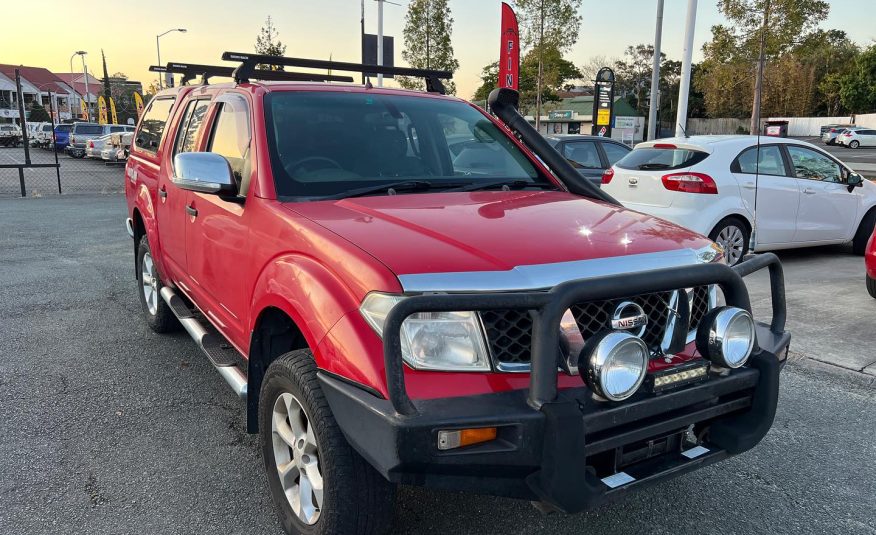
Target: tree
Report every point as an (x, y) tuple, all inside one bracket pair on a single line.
[(858, 89), (591, 67), (119, 76), (38, 114), (268, 43), (556, 72), (428, 26), (548, 25), (765, 29)]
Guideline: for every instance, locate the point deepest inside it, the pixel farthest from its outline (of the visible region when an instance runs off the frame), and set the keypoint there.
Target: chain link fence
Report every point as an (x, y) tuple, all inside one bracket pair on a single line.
[(72, 175)]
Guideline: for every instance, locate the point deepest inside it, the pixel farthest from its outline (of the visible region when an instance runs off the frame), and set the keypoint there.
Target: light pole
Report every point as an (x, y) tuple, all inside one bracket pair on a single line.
[(686, 60), (158, 49), (72, 84), (81, 54)]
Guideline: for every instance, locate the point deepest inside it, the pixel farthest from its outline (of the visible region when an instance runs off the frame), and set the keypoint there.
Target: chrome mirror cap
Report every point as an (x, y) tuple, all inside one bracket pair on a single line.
[(204, 172)]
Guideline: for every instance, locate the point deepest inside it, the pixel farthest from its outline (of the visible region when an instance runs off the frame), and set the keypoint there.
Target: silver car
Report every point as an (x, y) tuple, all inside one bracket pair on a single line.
[(93, 147)]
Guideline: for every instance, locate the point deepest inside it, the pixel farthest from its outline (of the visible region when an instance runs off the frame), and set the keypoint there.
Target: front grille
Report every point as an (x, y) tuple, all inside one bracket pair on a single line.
[(509, 332)]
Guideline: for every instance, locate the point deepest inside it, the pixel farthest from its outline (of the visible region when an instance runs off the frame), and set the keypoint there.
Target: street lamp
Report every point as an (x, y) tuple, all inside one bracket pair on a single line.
[(158, 48), (81, 53)]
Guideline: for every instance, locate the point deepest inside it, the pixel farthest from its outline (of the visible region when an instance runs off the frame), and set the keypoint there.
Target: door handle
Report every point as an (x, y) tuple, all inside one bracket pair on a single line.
[(191, 210), (749, 185), (808, 191), (162, 192)]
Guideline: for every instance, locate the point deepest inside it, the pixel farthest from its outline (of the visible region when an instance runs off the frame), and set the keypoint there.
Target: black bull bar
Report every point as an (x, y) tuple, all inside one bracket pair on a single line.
[(549, 306)]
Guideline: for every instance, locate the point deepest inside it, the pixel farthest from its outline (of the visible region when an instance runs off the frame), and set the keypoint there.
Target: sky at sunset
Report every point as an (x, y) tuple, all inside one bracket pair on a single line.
[(319, 28)]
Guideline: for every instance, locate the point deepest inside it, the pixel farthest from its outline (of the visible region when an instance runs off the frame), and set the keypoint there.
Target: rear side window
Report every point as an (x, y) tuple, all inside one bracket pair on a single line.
[(87, 129), (582, 154), (771, 162), (654, 159), (614, 152), (152, 126), (231, 138)]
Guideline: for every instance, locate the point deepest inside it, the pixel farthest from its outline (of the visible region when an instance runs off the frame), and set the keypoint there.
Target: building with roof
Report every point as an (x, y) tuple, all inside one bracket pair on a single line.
[(38, 85), (574, 115), (88, 92)]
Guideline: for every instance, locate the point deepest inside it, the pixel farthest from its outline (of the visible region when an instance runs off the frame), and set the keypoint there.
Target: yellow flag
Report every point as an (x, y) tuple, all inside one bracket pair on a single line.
[(113, 111), (138, 101), (101, 106), (83, 110)]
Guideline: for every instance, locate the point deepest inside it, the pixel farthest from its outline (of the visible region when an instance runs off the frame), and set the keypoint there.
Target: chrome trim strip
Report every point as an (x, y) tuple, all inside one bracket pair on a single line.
[(543, 276)]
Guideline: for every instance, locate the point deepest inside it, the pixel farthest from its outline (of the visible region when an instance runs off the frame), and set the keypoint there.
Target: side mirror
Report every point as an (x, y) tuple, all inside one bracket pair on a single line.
[(855, 180), (204, 172)]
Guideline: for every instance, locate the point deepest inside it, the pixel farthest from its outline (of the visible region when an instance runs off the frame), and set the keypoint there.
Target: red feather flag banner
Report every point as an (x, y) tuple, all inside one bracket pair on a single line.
[(509, 56)]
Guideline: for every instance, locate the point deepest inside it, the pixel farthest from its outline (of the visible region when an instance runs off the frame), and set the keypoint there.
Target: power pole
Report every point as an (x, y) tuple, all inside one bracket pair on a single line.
[(380, 40), (758, 79), (540, 65), (684, 87), (655, 75)]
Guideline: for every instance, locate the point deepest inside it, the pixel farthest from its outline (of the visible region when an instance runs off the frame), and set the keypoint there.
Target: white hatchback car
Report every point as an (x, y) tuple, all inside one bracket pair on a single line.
[(857, 137), (715, 185)]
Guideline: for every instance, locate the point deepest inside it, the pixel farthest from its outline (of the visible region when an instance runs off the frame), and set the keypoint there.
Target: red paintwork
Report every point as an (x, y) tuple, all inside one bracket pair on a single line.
[(870, 256), (316, 261)]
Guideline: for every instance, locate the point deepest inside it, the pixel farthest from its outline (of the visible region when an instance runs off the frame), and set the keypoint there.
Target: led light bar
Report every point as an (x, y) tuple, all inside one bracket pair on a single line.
[(678, 376)]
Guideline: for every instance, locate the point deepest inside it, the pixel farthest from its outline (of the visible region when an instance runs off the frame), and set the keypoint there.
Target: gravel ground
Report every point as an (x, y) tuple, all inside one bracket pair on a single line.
[(110, 429)]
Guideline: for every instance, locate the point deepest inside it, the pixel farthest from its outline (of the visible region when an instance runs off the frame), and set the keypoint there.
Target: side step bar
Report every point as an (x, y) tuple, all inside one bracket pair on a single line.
[(218, 351)]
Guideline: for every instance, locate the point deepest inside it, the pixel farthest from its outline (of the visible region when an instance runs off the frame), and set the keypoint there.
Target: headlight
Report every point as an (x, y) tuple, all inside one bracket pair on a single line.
[(726, 336), (447, 341), (616, 364)]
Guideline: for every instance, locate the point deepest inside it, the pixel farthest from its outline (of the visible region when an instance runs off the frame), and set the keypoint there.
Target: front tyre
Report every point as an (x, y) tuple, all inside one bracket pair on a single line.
[(733, 236), (157, 313), (319, 484)]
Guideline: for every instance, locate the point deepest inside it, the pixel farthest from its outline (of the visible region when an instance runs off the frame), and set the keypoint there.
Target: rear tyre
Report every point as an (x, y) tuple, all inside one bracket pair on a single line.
[(157, 313), (733, 236), (871, 287), (319, 484), (854, 144), (865, 230)]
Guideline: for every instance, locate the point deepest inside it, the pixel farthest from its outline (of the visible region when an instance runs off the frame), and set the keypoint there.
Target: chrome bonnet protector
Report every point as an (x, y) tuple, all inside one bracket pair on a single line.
[(544, 276)]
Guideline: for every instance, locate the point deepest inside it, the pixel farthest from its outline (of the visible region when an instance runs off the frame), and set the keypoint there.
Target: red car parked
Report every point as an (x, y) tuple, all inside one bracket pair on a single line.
[(407, 290), (870, 261)]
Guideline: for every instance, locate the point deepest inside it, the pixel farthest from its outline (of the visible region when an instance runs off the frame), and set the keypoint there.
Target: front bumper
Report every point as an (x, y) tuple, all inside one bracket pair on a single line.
[(564, 448)]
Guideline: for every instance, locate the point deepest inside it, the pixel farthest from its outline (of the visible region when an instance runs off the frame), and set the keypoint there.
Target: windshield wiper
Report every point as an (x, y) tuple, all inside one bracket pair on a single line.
[(505, 184), (653, 166), (391, 188)]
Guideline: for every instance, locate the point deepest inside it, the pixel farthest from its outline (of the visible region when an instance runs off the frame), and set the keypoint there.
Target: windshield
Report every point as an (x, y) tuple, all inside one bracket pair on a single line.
[(649, 158), (325, 144), (63, 128)]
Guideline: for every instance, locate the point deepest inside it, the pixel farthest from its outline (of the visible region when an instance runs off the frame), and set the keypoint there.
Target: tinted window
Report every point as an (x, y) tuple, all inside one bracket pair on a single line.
[(190, 127), (114, 129), (812, 165), (650, 158), (153, 123), (327, 143), (63, 128), (582, 154), (615, 152), (87, 129), (770, 163), (231, 138)]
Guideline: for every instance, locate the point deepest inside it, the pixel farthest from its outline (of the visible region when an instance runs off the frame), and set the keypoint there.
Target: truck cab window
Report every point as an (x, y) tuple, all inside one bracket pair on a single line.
[(231, 139)]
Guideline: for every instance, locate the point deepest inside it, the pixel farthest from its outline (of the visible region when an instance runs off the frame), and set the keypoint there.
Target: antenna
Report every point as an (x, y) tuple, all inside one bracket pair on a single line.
[(683, 131)]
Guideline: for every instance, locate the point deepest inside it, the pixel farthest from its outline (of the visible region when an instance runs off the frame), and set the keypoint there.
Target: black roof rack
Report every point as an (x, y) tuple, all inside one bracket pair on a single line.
[(248, 62), (190, 70)]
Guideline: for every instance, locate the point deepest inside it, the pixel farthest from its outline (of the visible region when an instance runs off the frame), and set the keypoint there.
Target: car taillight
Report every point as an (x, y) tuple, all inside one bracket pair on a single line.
[(91, 144), (607, 175), (690, 183)]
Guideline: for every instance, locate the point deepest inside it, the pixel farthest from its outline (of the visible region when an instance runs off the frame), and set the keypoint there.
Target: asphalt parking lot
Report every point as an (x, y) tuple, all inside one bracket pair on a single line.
[(108, 428), (77, 175)]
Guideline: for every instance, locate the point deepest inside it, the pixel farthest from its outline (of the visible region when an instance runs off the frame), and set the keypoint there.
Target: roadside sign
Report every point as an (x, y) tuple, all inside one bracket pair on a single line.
[(369, 52), (625, 122), (603, 102), (560, 114)]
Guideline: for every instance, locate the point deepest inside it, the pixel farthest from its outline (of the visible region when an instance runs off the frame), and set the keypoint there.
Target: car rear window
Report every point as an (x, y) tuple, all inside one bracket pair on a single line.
[(659, 159), (63, 128), (87, 129)]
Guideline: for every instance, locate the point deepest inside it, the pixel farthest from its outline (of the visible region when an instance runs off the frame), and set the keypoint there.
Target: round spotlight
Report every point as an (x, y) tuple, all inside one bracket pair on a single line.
[(726, 336), (616, 364)]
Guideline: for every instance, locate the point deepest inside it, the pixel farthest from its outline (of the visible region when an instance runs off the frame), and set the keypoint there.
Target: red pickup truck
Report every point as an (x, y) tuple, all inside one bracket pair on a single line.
[(408, 290)]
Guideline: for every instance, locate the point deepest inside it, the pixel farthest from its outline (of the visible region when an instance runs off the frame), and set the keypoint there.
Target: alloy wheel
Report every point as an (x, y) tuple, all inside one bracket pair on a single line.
[(296, 454), (150, 283), (732, 240)]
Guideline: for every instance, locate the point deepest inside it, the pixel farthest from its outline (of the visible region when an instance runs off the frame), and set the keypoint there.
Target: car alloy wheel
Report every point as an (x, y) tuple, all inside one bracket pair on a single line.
[(732, 240), (296, 454), (149, 276), (854, 145)]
